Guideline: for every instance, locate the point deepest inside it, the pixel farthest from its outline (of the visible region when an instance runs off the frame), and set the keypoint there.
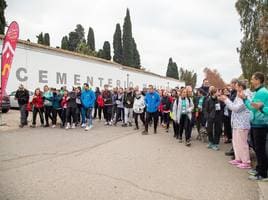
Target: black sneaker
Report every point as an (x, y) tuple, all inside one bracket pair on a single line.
[(124, 125), (144, 132), (47, 125), (21, 125), (129, 124)]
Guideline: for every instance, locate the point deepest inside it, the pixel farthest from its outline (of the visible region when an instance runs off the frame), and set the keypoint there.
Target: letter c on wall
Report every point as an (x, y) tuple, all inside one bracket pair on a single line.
[(19, 75)]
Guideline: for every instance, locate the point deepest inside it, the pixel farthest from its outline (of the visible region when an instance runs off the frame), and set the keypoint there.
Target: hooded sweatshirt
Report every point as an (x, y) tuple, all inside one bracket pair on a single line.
[(88, 98)]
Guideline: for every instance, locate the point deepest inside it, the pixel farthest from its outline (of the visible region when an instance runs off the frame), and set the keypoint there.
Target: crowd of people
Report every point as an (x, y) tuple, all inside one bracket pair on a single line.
[(236, 112)]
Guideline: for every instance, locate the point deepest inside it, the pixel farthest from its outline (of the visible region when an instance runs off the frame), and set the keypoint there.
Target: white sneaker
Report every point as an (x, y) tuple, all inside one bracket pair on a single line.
[(90, 127), (110, 124), (83, 125), (68, 126), (73, 126), (87, 128), (53, 126), (106, 123)]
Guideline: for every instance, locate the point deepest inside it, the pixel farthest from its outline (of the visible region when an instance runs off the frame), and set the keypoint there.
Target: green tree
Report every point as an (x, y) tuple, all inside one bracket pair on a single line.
[(189, 77), (251, 57), (136, 55), (117, 44), (65, 43), (172, 69), (46, 39), (40, 38), (73, 41), (80, 32), (100, 53), (76, 37), (91, 39), (3, 23), (127, 41), (106, 50)]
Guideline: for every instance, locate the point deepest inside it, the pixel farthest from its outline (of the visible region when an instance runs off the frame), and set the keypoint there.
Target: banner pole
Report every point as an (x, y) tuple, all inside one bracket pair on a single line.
[(1, 96)]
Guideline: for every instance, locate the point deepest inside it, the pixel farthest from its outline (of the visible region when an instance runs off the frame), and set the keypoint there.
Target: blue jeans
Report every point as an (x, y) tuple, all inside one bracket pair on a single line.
[(88, 115), (83, 114)]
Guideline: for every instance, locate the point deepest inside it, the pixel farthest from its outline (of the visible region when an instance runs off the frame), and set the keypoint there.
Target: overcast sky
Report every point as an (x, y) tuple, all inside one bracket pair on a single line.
[(195, 33)]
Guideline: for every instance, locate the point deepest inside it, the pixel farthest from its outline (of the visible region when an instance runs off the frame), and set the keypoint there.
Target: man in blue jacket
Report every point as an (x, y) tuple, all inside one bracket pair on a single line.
[(152, 101), (88, 98)]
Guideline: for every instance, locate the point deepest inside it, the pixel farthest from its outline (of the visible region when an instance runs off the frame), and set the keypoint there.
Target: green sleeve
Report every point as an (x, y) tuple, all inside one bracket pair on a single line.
[(248, 104)]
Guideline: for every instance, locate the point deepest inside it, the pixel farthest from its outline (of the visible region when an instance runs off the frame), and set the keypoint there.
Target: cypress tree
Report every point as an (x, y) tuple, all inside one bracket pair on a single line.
[(73, 41), (175, 73), (127, 41), (106, 50), (65, 43), (40, 38), (172, 69), (117, 44), (136, 55), (46, 39), (91, 39), (80, 32), (169, 68), (3, 6)]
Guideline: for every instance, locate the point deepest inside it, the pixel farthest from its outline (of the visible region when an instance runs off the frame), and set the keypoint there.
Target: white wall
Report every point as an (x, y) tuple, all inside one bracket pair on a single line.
[(36, 67)]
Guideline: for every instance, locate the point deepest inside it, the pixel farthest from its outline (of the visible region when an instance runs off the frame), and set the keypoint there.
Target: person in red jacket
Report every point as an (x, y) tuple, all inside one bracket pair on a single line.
[(100, 103), (38, 107)]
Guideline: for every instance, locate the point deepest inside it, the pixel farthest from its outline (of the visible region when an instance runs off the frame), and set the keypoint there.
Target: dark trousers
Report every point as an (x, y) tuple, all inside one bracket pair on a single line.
[(185, 126), (98, 110), (260, 136), (166, 119), (56, 112), (78, 113), (227, 127), (107, 111), (23, 114), (176, 128), (120, 114), (40, 111), (214, 129), (48, 114), (64, 116), (71, 115), (149, 117), (136, 115), (192, 123)]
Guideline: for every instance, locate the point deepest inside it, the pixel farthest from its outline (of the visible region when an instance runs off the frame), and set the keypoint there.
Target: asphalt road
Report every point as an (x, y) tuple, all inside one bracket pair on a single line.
[(114, 163)]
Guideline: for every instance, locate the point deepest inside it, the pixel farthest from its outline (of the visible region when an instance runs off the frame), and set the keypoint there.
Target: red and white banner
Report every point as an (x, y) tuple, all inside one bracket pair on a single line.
[(8, 51)]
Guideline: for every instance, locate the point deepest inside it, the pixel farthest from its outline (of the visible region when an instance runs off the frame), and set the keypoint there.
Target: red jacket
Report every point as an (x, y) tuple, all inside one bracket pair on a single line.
[(38, 101), (64, 102), (100, 101)]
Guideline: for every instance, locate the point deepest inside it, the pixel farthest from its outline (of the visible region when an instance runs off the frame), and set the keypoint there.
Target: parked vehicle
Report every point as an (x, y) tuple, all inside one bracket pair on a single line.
[(4, 102), (14, 102)]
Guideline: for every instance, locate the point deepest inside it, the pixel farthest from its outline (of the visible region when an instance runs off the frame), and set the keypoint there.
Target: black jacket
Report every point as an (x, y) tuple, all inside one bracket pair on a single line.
[(107, 98), (22, 96), (210, 112), (129, 100), (72, 100), (166, 103)]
